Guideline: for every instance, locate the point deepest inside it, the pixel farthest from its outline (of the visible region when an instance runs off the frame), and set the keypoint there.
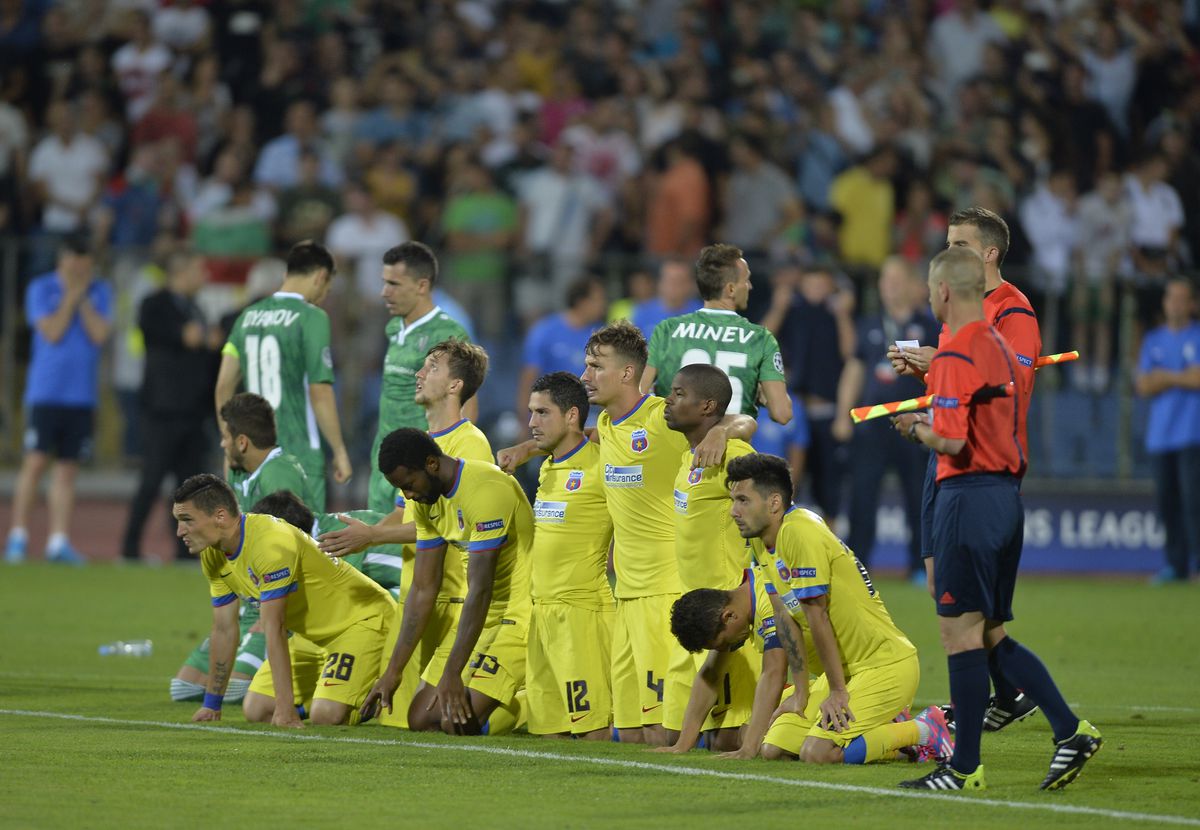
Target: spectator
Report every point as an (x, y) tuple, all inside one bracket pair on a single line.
[(920, 230), (167, 117), (139, 65), (604, 148), (556, 343), (1157, 220), (812, 316), (70, 311), (639, 288), (184, 26), (279, 163), (177, 391), (821, 158), (307, 208), (956, 44), (676, 295), (360, 237), (1102, 246), (339, 122), (868, 378), (134, 203), (1169, 374), (14, 151), (565, 218), (865, 198), (1111, 64), (680, 208), (760, 203), (1048, 219), (396, 118), (1086, 142), (216, 192), (66, 169), (480, 223)]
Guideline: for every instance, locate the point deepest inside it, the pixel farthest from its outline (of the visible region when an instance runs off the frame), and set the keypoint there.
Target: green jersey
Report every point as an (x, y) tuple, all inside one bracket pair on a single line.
[(745, 351), (381, 563), (407, 347), (282, 344), (278, 471)]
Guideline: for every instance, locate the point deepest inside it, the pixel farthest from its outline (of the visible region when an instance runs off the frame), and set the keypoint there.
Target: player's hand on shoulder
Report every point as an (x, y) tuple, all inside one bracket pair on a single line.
[(711, 450), (354, 537), (204, 714), (509, 458)]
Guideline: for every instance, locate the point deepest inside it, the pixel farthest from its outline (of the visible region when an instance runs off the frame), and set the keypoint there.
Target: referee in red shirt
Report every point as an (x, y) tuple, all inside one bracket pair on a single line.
[(978, 525)]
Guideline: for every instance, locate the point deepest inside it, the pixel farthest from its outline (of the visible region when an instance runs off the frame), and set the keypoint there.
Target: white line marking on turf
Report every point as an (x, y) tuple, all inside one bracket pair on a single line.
[(667, 769)]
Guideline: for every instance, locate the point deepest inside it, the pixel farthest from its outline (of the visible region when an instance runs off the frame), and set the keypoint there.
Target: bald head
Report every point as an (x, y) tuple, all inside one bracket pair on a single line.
[(961, 269)]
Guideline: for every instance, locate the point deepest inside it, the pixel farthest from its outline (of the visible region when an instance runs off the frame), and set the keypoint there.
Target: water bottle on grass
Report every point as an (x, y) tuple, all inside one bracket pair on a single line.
[(127, 648)]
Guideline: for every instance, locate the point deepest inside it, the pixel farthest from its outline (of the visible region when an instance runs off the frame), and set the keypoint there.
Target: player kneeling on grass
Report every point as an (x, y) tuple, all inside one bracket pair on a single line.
[(870, 668), (261, 559), (722, 622), (473, 506)]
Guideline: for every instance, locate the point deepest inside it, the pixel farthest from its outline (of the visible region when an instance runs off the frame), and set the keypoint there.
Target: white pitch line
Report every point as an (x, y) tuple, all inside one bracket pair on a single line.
[(667, 769)]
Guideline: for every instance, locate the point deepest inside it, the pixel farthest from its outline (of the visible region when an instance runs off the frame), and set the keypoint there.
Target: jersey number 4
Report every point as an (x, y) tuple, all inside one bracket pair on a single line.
[(726, 362), (262, 368)]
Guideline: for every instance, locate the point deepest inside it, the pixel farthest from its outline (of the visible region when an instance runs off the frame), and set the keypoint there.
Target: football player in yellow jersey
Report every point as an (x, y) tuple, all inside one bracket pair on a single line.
[(710, 551), (651, 673), (265, 560), (721, 621), (570, 631), (871, 669), (474, 505), (453, 372)]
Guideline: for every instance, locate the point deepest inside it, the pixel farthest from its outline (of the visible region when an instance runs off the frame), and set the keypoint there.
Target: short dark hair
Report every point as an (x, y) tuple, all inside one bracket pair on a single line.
[(286, 505), (209, 493), (696, 618), (768, 473), (307, 257), (709, 382), (417, 258), (624, 338), (407, 447), (467, 362), (566, 392), (992, 230), (581, 289), (250, 415), (78, 243), (716, 266)]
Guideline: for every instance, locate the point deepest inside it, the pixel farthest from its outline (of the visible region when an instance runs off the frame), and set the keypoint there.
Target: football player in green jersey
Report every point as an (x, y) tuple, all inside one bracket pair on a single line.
[(719, 336), (280, 347), (410, 271)]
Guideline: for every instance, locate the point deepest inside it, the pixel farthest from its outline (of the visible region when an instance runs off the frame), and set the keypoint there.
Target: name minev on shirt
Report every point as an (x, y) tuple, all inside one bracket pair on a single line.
[(623, 476), (717, 334), (550, 512)]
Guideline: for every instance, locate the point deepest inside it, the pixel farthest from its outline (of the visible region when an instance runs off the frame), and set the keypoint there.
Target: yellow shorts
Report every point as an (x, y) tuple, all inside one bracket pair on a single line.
[(877, 695), (497, 669), (651, 673), (343, 671), (427, 662), (568, 665), (735, 690)]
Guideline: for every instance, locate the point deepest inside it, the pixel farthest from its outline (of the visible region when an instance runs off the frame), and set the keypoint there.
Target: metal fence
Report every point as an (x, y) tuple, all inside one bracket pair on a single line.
[(1074, 435)]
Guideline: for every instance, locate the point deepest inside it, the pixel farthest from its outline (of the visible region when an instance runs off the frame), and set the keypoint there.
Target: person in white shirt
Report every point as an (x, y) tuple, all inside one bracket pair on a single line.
[(1157, 214), (138, 65), (67, 170), (1048, 219)]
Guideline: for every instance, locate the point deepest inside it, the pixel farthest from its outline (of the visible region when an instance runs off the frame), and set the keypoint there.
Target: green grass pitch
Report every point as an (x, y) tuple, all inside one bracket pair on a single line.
[(1124, 653)]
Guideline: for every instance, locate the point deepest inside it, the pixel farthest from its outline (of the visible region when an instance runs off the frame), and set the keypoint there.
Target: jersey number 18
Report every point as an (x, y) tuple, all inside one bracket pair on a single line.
[(262, 368)]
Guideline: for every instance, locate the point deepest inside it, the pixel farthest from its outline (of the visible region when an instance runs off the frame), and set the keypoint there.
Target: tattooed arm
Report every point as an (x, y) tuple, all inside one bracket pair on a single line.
[(792, 638), (222, 649)]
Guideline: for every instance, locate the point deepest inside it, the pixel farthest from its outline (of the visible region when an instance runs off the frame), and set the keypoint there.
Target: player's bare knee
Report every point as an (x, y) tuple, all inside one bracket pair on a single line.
[(771, 752), (724, 740), (820, 752), (596, 735), (634, 735), (656, 735), (329, 713), (258, 708)]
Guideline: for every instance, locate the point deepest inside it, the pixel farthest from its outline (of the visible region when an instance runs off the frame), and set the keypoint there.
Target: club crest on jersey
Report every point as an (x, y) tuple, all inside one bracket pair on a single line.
[(461, 524), (575, 480), (695, 475), (783, 569), (253, 578), (639, 441)]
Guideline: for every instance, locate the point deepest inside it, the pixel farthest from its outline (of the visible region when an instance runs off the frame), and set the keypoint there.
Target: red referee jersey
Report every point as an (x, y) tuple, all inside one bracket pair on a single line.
[(1008, 310), (975, 358)]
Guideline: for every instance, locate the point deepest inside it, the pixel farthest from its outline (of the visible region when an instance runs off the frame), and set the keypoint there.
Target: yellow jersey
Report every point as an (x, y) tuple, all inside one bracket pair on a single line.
[(485, 510), (463, 440), (325, 595), (708, 546), (641, 456), (808, 560), (572, 530)]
